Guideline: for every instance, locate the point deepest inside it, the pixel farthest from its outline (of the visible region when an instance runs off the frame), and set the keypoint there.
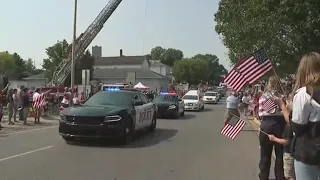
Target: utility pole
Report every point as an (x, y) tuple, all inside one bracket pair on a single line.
[(73, 44)]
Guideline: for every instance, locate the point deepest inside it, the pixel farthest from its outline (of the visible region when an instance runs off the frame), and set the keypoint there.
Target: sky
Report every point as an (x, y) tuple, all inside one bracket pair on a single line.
[(29, 27)]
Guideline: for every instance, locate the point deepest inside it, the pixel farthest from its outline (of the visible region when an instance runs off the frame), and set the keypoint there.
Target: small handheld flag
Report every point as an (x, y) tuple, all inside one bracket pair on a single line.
[(269, 105), (233, 127)]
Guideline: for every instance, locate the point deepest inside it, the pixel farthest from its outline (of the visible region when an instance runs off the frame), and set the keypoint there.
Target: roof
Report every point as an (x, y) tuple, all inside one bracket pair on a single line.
[(121, 73), (37, 76), (120, 60), (157, 63)]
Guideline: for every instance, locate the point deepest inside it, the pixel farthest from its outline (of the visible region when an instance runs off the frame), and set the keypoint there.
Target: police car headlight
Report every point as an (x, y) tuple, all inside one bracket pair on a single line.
[(63, 118), (112, 118), (172, 107), (196, 103)]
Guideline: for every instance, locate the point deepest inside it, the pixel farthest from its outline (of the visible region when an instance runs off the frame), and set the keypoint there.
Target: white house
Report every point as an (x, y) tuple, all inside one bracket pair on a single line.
[(160, 68), (117, 69), (36, 80)]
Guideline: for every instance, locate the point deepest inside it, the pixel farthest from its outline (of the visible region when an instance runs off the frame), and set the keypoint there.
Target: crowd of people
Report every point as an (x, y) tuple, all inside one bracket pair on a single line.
[(20, 103), (292, 127)]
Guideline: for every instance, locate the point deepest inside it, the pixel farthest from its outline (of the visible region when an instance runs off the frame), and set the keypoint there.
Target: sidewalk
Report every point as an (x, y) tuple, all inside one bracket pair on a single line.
[(45, 121)]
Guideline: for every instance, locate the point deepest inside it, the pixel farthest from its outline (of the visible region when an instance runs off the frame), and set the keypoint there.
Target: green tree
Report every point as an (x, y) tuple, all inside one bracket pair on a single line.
[(7, 63), (19, 70), (166, 56), (216, 70), (56, 54), (85, 62), (286, 29), (192, 71)]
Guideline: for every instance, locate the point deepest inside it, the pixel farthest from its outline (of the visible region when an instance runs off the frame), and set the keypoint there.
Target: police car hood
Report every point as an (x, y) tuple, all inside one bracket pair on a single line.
[(86, 110)]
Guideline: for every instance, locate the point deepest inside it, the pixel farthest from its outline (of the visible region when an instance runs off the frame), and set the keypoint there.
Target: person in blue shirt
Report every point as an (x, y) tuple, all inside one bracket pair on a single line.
[(232, 107)]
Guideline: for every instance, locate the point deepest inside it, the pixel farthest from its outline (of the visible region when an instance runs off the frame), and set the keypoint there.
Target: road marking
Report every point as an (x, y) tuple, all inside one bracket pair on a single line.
[(30, 130), (22, 154)]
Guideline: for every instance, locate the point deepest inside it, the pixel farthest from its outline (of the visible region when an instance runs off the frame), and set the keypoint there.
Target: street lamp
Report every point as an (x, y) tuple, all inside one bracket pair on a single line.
[(73, 44)]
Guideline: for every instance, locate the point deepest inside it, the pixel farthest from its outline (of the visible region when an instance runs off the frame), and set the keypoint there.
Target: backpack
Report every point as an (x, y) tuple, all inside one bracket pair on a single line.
[(306, 148)]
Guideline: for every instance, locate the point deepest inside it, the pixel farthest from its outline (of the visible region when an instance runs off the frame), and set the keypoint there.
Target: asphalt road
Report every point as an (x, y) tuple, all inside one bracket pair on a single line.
[(190, 148)]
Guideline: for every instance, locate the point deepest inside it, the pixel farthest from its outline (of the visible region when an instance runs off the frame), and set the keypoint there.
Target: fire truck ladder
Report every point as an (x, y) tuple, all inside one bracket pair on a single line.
[(83, 41)]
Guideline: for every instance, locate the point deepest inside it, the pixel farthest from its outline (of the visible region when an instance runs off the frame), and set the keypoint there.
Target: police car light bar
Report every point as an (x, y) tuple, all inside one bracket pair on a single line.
[(166, 93), (112, 89)]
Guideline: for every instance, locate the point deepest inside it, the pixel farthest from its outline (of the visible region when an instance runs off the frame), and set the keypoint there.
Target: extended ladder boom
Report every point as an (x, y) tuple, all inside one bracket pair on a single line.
[(83, 41)]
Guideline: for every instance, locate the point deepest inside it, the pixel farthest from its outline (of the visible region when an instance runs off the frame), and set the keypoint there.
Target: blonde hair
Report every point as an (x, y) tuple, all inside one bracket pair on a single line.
[(273, 84), (308, 72)]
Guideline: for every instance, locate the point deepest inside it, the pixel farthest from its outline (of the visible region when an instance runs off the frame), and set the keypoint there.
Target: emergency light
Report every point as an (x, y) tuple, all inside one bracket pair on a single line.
[(167, 93), (112, 89)]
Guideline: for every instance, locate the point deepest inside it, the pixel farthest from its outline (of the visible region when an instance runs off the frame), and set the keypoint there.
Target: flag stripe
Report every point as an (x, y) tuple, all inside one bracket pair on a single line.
[(39, 102), (269, 105), (233, 131), (235, 80), (255, 66)]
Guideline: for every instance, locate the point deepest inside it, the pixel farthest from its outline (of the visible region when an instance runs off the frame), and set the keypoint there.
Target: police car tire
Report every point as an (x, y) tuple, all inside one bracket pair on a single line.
[(153, 125), (127, 137), (67, 138)]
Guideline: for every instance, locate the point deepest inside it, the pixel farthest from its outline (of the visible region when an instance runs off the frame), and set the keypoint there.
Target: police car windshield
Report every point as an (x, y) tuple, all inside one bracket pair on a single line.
[(210, 94), (170, 98), (190, 97), (111, 98)]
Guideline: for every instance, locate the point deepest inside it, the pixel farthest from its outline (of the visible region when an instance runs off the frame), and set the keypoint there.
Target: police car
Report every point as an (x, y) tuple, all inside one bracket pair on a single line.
[(112, 113), (169, 104)]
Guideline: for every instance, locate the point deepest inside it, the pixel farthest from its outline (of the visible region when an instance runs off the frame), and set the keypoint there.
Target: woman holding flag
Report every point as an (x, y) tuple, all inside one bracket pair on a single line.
[(38, 104), (272, 122)]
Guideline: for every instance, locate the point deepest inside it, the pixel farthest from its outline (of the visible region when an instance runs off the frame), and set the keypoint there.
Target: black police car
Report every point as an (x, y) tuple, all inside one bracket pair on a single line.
[(112, 113), (169, 104)]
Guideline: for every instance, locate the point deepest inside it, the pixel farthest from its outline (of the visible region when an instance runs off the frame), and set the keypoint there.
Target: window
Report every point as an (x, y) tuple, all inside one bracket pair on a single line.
[(144, 98), (190, 97)]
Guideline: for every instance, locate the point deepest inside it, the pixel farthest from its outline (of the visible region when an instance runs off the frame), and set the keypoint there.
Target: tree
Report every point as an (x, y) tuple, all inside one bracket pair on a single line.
[(192, 71), (166, 56), (85, 62), (286, 29), (216, 70), (7, 63), (19, 70), (58, 52), (24, 68)]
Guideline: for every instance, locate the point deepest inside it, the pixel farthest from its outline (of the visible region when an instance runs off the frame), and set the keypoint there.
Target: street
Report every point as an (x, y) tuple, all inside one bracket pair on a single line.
[(190, 148)]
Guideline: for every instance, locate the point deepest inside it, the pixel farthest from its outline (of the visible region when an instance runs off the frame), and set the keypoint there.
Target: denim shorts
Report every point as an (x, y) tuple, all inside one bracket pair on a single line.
[(306, 172)]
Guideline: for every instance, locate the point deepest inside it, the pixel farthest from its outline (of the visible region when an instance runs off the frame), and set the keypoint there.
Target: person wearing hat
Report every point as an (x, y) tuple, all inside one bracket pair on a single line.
[(232, 107)]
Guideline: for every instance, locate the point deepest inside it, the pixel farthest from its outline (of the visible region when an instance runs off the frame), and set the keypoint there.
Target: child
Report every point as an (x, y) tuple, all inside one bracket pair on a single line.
[(288, 161)]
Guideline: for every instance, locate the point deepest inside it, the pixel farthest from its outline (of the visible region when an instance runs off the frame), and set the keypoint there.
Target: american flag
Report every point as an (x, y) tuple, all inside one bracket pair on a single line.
[(269, 105), (39, 102), (233, 127), (255, 66), (235, 79)]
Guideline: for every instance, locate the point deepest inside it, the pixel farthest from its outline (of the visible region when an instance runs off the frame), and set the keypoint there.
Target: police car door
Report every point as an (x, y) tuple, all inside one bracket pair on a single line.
[(148, 110), (139, 108)]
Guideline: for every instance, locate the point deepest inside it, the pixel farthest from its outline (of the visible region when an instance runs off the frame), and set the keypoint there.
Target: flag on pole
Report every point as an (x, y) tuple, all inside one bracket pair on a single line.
[(39, 102), (269, 105), (235, 79), (233, 127), (255, 66)]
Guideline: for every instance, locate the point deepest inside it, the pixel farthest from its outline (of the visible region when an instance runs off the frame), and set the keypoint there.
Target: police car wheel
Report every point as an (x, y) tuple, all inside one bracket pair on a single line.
[(67, 138), (153, 124), (128, 132)]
